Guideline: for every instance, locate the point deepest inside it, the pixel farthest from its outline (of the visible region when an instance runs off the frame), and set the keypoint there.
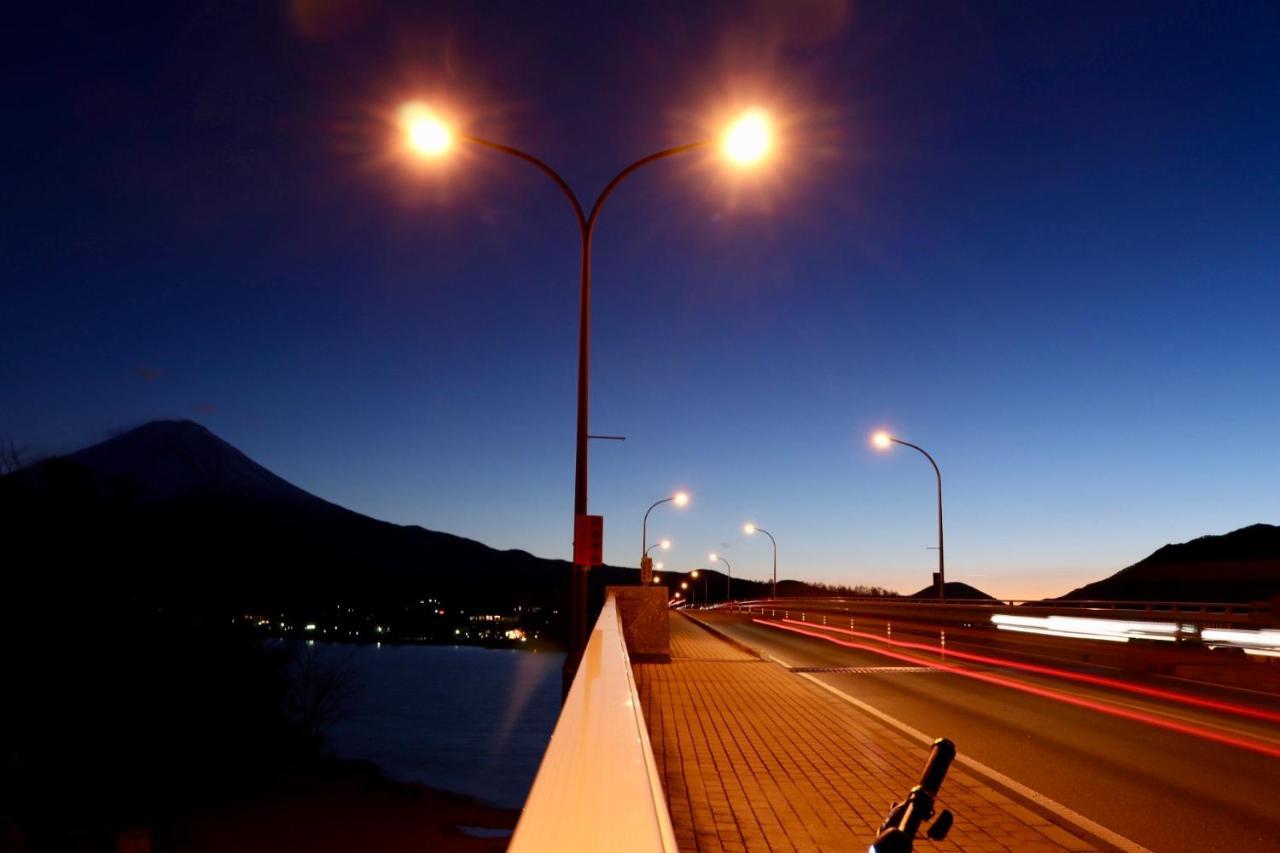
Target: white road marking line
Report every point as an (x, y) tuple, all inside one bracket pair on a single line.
[(1070, 815)]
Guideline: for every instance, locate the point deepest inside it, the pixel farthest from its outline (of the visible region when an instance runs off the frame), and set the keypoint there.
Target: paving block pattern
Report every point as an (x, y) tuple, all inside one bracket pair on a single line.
[(754, 757)]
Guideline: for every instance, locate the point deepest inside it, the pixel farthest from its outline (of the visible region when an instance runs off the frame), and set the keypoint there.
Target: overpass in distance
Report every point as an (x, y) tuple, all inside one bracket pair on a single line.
[(1091, 725)]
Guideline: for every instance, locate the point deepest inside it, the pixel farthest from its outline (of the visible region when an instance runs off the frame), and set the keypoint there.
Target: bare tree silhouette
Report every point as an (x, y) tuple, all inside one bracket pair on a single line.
[(12, 457), (322, 685)]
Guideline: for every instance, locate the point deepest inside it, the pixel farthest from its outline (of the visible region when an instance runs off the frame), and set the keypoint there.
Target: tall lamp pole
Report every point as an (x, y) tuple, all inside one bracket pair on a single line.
[(750, 528), (427, 135), (728, 578), (882, 440)]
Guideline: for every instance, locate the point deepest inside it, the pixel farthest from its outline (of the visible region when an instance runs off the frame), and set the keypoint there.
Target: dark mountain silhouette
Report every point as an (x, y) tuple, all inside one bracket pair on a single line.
[(955, 591), (164, 460), (1240, 566), (170, 514)]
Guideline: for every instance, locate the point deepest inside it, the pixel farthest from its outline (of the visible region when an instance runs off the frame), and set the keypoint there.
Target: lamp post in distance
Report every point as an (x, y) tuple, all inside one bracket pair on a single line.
[(728, 578), (750, 528), (883, 441), (427, 135), (664, 544), (681, 500)]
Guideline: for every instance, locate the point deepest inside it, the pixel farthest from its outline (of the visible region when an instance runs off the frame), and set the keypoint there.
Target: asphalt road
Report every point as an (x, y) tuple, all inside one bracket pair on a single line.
[(1166, 790)]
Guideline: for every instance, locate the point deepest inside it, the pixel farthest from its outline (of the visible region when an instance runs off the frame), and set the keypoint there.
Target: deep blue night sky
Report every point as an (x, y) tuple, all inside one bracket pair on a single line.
[(1038, 239)]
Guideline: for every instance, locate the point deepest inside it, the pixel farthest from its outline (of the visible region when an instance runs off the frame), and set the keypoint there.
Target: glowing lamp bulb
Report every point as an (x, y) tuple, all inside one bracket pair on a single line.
[(659, 566), (881, 440), (424, 132), (657, 579), (694, 573), (748, 528), (665, 544), (748, 139), (712, 557), (681, 498)]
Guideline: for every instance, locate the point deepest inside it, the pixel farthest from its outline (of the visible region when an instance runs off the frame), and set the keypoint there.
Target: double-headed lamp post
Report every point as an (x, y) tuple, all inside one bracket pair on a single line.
[(426, 134), (749, 529), (884, 441), (680, 499), (728, 578)]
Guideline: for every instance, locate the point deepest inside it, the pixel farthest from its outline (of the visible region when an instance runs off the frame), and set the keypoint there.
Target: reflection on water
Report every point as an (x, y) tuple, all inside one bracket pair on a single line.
[(459, 718)]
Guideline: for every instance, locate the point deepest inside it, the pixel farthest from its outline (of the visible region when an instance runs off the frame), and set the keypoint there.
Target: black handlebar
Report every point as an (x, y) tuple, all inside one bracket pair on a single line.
[(940, 758), (898, 832)]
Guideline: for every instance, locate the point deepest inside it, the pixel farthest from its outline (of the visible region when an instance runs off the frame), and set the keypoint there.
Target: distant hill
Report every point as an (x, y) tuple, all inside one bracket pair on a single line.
[(1240, 566), (171, 514), (955, 590)]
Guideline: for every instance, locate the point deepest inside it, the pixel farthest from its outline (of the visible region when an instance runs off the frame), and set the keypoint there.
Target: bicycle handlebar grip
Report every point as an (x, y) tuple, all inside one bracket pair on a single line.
[(940, 758)]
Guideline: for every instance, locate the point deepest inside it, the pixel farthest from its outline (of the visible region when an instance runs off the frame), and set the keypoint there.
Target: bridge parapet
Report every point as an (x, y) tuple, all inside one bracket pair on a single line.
[(598, 786)]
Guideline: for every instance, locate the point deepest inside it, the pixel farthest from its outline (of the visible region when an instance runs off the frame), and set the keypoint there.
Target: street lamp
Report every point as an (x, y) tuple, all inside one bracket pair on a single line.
[(750, 528), (694, 592), (749, 138), (728, 579), (426, 134), (680, 499), (664, 544), (884, 441)]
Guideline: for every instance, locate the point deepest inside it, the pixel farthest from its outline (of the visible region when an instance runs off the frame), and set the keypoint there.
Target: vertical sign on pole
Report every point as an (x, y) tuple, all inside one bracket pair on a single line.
[(588, 540)]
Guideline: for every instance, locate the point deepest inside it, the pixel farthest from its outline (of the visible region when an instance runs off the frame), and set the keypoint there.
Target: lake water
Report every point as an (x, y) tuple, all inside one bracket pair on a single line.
[(459, 718)]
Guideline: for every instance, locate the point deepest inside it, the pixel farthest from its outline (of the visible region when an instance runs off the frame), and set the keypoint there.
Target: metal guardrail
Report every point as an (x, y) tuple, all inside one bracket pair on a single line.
[(598, 786), (952, 611)]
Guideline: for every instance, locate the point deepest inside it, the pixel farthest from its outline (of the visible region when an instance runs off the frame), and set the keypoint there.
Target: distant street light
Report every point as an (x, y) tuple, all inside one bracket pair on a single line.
[(680, 499), (749, 529), (427, 134), (664, 544), (728, 578), (884, 440)]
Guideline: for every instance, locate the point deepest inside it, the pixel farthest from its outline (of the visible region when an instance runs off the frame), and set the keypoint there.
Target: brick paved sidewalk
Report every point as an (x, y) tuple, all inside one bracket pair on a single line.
[(756, 758)]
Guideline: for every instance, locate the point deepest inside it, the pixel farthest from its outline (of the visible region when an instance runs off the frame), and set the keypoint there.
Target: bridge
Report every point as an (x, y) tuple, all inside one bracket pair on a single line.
[(792, 724)]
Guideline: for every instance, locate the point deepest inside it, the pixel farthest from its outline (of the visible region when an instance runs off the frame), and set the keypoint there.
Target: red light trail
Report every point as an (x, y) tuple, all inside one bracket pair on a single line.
[(1045, 693), (1100, 680)]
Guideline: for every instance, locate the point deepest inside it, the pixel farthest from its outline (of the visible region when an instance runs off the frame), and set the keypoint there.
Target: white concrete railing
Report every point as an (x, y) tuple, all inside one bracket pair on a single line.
[(598, 786)]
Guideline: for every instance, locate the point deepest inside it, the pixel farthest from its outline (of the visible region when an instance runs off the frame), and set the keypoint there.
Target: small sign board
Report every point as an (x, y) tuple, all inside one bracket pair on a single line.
[(588, 540)]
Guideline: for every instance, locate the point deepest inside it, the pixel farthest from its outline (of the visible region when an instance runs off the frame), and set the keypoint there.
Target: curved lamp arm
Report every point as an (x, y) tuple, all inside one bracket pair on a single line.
[(942, 565), (644, 530)]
